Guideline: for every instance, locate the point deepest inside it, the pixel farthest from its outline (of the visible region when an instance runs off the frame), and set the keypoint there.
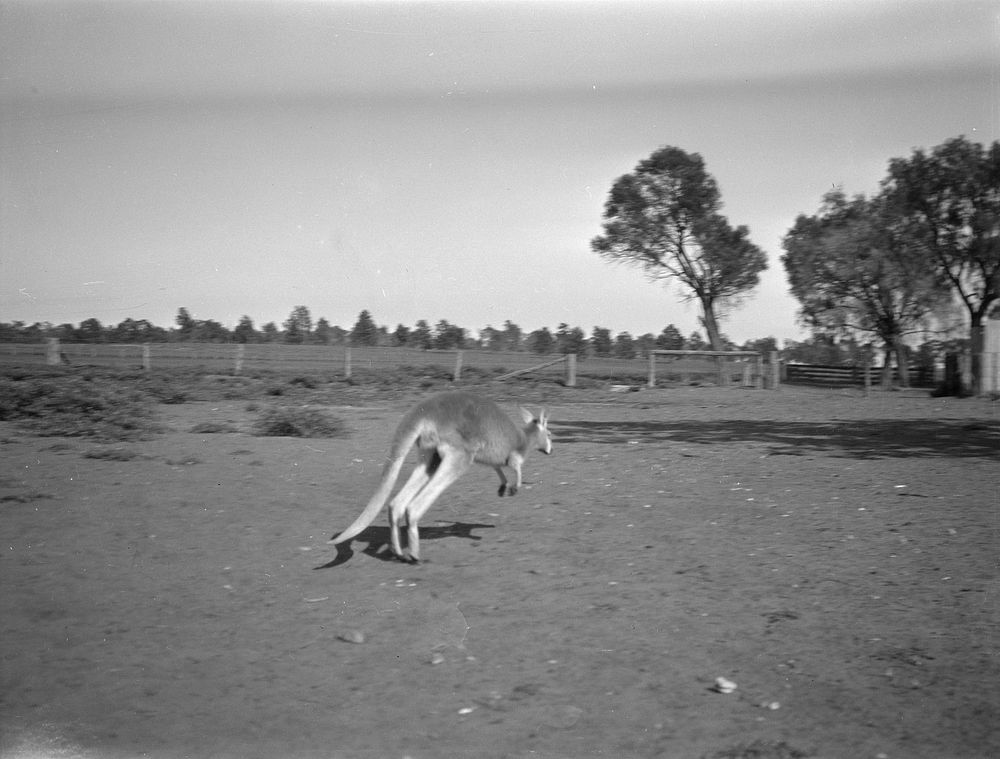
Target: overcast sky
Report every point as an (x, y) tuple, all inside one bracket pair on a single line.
[(441, 160)]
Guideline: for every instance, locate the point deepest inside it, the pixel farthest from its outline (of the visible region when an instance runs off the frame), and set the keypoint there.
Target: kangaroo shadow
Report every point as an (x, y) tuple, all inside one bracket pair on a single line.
[(861, 439), (379, 544)]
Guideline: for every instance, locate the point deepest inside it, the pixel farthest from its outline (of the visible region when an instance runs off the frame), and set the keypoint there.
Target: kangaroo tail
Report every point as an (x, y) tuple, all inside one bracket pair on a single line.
[(390, 474)]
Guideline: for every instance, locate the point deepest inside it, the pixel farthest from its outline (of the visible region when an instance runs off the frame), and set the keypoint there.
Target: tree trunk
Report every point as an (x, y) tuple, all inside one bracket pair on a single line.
[(711, 325), (977, 341), (904, 365), (887, 368)]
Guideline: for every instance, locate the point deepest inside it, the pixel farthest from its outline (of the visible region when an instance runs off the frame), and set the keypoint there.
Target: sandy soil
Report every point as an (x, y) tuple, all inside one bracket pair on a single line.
[(833, 555)]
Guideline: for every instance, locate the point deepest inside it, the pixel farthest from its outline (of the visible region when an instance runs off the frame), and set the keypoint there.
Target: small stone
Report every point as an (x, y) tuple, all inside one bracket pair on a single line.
[(722, 685), (562, 716), (352, 636)]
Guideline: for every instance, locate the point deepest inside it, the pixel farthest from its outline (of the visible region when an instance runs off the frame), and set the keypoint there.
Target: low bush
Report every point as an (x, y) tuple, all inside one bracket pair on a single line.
[(164, 388), (111, 454), (390, 378), (209, 428), (291, 421), (26, 497), (78, 406)]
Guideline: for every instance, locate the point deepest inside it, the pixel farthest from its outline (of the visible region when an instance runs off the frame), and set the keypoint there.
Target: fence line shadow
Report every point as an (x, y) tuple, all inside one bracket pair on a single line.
[(862, 439)]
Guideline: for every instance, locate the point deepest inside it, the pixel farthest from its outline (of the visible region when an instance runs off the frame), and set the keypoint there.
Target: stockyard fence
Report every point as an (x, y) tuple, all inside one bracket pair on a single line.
[(747, 368), (845, 376), (743, 368), (955, 373), (736, 368)]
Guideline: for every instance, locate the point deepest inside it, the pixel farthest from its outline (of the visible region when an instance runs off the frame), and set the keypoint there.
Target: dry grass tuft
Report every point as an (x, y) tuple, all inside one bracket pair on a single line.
[(292, 421)]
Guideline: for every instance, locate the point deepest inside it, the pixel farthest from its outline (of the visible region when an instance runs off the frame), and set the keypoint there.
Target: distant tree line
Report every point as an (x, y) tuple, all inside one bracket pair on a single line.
[(300, 329)]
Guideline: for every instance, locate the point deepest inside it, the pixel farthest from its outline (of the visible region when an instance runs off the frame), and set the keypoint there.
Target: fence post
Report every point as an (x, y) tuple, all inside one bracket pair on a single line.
[(240, 354), (965, 367), (570, 370), (457, 376), (651, 378), (983, 380), (722, 373), (347, 362), (758, 369), (952, 374), (868, 373), (147, 360), (52, 352), (775, 371)]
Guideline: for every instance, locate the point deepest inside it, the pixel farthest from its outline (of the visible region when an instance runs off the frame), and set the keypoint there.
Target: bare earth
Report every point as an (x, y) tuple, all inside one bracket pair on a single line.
[(833, 555)]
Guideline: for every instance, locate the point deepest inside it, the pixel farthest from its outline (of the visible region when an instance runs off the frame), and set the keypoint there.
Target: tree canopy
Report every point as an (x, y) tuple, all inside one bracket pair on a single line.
[(365, 331), (298, 326), (855, 267), (664, 217), (952, 195)]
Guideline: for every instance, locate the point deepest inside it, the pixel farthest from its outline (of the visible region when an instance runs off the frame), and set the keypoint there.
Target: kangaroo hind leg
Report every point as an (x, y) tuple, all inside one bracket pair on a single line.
[(503, 481), (506, 488), (421, 475), (454, 462)]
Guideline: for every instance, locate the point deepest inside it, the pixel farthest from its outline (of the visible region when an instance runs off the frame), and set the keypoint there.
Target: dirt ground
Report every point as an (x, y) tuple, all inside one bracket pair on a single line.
[(835, 556)]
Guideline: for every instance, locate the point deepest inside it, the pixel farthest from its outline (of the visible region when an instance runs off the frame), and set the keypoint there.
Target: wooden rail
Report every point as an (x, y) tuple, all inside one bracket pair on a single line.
[(723, 365)]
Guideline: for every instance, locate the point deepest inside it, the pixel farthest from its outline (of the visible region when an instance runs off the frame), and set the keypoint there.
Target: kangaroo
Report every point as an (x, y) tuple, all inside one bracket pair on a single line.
[(451, 430)]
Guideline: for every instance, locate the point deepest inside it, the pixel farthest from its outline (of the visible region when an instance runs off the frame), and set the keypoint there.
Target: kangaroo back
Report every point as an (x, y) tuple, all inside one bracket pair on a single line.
[(476, 425)]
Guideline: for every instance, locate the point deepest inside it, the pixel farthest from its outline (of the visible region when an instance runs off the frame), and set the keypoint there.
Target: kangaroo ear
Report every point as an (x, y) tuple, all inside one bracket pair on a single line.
[(543, 418), (526, 415)]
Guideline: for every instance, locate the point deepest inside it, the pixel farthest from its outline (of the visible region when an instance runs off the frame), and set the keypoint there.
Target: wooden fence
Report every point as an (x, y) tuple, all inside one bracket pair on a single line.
[(746, 368), (847, 376), (236, 358)]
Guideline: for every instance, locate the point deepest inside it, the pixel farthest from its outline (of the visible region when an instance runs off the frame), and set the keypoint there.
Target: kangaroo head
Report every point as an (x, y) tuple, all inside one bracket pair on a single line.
[(537, 430)]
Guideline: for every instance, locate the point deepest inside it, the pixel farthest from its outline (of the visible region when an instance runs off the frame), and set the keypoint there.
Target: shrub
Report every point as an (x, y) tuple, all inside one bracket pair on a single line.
[(207, 428), (163, 388), (111, 454), (74, 406), (25, 497), (288, 421)]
